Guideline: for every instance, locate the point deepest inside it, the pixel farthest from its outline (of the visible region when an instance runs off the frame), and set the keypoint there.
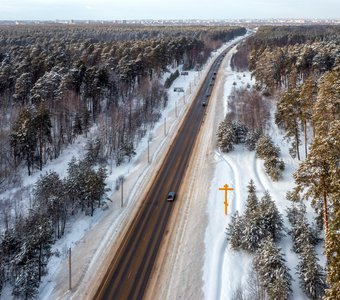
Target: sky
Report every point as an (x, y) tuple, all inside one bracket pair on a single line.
[(170, 9)]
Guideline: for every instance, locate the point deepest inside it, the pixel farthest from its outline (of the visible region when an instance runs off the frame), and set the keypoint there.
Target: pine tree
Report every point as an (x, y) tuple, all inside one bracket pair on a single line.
[(252, 200), (271, 220), (27, 281), (311, 275), (30, 262), (333, 239), (240, 132), (295, 212), (317, 177), (252, 138), (287, 117), (270, 266), (85, 186), (226, 136), (22, 89), (306, 101), (301, 231), (50, 200), (42, 126), (23, 138), (235, 231), (265, 149)]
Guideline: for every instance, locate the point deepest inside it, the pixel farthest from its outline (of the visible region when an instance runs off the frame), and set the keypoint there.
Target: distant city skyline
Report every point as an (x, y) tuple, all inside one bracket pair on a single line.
[(174, 9)]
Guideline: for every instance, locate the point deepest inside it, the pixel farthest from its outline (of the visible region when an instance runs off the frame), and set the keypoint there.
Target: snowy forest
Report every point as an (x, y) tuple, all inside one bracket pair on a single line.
[(58, 82), (297, 69)]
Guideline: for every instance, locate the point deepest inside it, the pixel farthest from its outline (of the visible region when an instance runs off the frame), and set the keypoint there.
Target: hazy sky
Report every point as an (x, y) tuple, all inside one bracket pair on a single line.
[(169, 9)]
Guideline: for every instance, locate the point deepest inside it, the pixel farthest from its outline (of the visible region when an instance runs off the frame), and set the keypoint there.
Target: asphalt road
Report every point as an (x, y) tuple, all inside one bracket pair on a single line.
[(130, 270)]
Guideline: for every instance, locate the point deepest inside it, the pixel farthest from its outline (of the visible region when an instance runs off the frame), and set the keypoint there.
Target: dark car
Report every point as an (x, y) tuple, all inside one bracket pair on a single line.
[(204, 103), (171, 196)]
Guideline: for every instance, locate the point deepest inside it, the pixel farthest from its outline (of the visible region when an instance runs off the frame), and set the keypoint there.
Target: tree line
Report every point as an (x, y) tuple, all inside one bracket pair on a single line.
[(26, 243), (87, 75), (300, 68)]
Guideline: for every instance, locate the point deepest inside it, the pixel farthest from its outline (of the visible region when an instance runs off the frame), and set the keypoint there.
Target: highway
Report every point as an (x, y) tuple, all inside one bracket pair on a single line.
[(130, 270)]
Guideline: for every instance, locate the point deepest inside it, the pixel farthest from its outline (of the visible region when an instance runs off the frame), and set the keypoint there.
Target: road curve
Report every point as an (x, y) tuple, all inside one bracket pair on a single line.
[(128, 274)]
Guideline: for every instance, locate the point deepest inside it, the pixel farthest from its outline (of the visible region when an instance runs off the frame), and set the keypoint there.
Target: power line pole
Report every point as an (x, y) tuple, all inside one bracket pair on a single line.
[(69, 269), (149, 140), (122, 190), (164, 126)]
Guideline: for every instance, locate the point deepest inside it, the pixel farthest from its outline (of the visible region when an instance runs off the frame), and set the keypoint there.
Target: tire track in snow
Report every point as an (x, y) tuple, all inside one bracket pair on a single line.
[(258, 178), (222, 244)]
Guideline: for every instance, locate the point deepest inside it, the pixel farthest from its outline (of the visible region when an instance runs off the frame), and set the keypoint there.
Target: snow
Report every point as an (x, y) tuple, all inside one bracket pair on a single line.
[(198, 261)]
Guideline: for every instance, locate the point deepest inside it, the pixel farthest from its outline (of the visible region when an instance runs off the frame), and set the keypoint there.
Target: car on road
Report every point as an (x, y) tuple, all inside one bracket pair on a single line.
[(204, 103), (171, 196)]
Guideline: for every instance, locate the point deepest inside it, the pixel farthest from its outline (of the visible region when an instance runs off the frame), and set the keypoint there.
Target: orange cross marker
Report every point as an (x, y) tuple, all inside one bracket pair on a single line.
[(226, 188)]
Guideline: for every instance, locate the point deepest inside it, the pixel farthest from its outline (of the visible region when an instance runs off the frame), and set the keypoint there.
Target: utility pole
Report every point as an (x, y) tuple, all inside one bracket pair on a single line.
[(121, 179), (226, 188), (176, 108), (149, 140), (148, 151), (164, 126), (69, 269)]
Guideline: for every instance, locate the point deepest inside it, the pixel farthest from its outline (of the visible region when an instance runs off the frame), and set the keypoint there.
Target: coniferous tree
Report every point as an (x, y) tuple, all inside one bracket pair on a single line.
[(287, 117), (307, 99), (50, 200), (31, 260), (240, 132), (317, 177), (42, 127), (235, 231), (270, 266), (23, 139), (226, 136), (251, 139), (252, 200), (332, 253), (271, 223), (266, 150), (311, 275)]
